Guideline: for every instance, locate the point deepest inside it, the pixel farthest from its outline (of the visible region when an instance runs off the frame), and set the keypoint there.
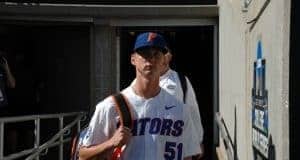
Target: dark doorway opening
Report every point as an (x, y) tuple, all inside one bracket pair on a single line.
[(294, 88), (51, 65), (187, 45)]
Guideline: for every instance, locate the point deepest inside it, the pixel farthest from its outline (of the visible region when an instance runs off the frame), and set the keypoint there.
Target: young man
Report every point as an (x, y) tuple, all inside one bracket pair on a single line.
[(162, 127), (170, 81)]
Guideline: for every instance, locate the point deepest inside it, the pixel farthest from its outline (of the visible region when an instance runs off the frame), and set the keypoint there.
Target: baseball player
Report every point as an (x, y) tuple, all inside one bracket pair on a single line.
[(170, 81), (162, 126)]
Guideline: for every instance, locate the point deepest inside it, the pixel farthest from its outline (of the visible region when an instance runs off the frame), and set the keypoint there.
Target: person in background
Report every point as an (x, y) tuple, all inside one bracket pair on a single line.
[(7, 81), (170, 81)]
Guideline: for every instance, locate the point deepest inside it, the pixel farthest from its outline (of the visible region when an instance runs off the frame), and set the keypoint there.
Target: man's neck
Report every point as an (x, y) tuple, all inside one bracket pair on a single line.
[(146, 88), (164, 71)]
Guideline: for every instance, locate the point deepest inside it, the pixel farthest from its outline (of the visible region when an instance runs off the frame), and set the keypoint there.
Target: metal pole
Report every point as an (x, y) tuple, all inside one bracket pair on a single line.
[(37, 134), (1, 139), (61, 144)]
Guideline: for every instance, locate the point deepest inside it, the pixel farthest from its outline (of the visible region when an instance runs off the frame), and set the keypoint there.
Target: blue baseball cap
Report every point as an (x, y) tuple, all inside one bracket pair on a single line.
[(150, 39)]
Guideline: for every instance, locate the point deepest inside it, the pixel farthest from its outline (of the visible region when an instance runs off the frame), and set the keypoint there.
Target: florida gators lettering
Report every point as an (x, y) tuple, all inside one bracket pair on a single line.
[(154, 126)]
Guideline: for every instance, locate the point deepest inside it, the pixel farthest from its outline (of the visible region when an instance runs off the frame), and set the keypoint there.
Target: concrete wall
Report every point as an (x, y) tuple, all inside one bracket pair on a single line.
[(238, 43), (103, 62), (232, 73)]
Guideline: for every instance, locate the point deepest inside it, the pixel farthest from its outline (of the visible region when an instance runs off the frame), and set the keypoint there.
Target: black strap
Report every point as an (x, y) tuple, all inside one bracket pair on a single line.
[(124, 110), (183, 84)]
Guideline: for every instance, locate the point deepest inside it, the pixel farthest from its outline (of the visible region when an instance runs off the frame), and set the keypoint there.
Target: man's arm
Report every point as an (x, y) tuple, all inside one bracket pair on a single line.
[(120, 138), (101, 150), (191, 101), (191, 146)]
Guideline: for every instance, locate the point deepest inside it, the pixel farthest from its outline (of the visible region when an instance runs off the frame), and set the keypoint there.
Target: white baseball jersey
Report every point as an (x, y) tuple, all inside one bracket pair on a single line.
[(162, 127), (171, 83)]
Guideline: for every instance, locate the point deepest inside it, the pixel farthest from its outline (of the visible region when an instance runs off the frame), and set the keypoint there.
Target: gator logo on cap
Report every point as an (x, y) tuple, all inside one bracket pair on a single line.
[(151, 36)]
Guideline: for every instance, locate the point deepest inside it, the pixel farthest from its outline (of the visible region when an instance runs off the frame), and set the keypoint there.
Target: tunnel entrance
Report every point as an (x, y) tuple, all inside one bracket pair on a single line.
[(51, 66)]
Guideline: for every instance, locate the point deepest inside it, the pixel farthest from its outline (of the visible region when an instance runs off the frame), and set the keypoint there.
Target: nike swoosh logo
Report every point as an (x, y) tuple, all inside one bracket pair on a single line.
[(169, 107)]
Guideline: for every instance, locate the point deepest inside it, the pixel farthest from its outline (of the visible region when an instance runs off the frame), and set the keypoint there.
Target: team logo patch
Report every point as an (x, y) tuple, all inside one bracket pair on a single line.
[(169, 107), (151, 36), (171, 86)]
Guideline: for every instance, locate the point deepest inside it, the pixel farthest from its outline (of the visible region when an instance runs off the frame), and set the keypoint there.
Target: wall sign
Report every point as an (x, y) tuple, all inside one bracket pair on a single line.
[(260, 117)]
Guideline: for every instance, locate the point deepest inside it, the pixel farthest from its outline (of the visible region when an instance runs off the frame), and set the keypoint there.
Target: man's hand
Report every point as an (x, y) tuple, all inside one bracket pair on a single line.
[(202, 149), (199, 156), (121, 136)]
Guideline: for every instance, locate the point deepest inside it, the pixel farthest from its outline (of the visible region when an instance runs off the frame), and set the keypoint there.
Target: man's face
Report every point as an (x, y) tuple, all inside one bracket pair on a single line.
[(148, 62)]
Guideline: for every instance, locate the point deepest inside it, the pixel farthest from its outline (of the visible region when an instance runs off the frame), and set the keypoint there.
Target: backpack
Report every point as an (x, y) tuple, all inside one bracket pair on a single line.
[(123, 110), (182, 80)]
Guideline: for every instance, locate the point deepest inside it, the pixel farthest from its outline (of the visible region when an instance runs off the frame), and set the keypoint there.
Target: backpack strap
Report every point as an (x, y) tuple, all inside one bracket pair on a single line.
[(122, 107), (123, 110), (183, 85)]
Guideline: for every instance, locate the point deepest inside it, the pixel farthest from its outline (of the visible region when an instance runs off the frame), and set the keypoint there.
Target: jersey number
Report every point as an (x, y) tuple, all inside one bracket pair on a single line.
[(171, 149)]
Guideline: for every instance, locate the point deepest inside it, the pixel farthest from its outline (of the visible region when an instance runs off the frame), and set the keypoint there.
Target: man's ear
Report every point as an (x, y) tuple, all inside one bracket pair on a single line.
[(168, 57), (132, 59)]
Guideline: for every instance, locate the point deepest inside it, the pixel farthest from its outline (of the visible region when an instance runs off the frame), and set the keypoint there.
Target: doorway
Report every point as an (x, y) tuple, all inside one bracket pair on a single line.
[(294, 89), (50, 63), (187, 43)]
